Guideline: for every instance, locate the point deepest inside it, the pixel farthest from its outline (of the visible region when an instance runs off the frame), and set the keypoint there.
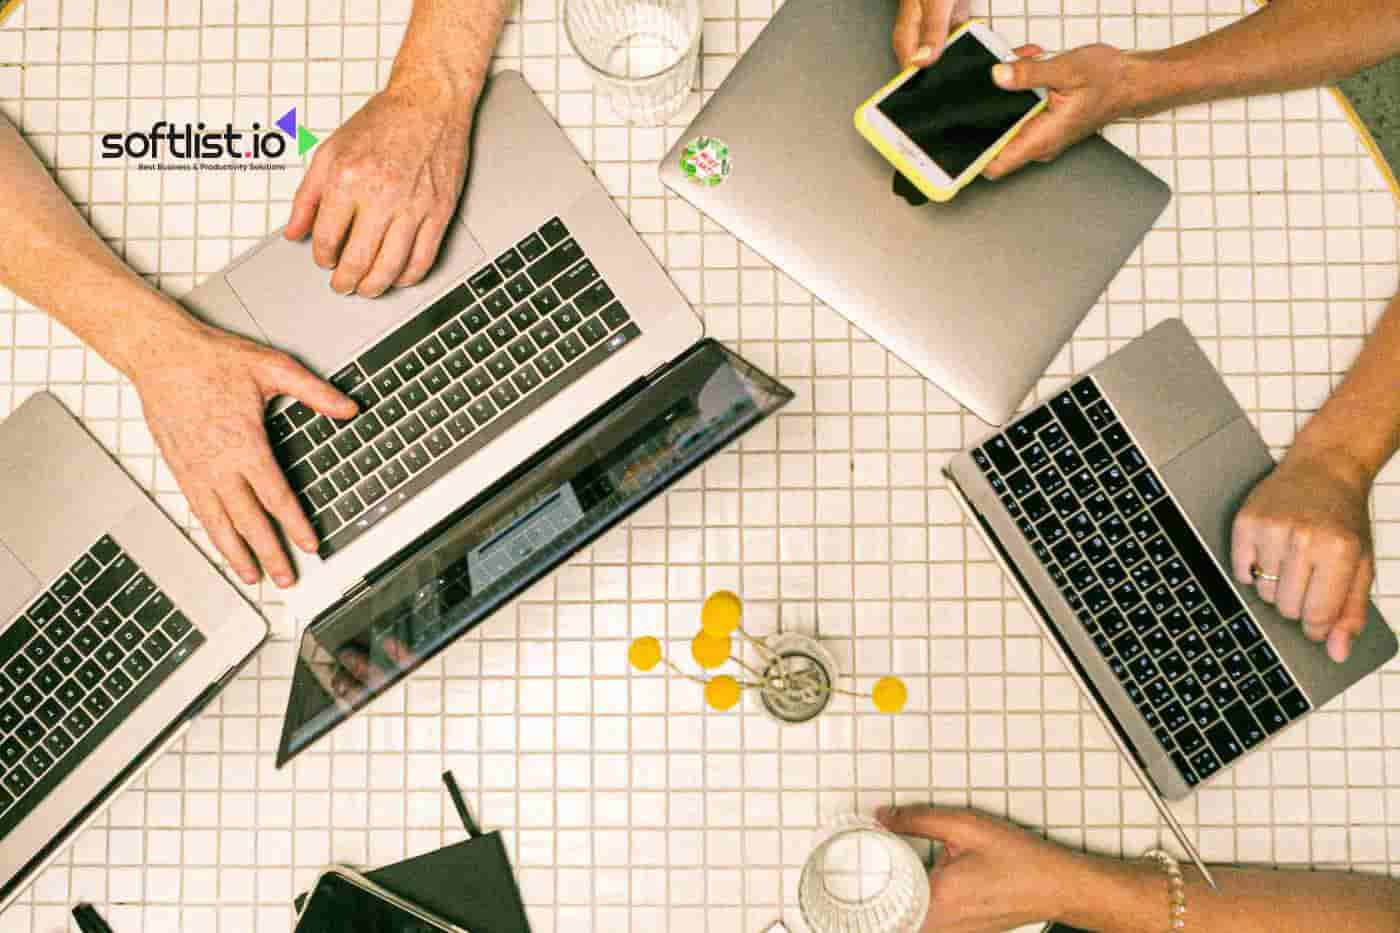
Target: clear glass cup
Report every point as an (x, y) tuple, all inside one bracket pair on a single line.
[(642, 53), (862, 878)]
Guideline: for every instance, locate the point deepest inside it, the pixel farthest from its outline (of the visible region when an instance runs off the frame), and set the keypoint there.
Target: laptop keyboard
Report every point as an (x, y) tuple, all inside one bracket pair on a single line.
[(449, 381), (84, 654), (1157, 606)]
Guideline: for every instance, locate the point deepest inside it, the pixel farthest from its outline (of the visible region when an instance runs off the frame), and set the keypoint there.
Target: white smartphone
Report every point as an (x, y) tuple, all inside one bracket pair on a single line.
[(345, 901), (941, 125)]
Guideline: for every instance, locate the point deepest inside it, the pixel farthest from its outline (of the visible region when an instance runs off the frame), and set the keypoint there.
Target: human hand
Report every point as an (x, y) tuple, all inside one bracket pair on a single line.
[(204, 393), (990, 875), (1307, 523), (921, 29), (382, 189), (1089, 88)]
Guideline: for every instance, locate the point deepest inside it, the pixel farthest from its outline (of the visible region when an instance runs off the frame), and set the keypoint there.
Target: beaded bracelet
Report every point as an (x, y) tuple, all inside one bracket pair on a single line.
[(1176, 887)]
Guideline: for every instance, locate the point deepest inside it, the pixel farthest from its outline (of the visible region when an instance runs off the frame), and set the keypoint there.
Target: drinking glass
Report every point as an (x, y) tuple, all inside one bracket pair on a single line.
[(642, 53), (862, 878)]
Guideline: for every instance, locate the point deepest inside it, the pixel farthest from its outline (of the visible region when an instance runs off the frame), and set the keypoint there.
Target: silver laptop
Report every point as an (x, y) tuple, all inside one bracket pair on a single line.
[(114, 632), (544, 322), (977, 294), (543, 303), (1110, 508)]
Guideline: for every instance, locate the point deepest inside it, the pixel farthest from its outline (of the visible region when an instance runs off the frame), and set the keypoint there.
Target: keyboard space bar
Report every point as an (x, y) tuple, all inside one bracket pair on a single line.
[(477, 440), (1195, 556)]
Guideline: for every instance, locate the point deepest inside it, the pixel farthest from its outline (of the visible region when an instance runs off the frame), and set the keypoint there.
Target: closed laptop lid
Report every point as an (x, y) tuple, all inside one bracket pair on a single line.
[(978, 294)]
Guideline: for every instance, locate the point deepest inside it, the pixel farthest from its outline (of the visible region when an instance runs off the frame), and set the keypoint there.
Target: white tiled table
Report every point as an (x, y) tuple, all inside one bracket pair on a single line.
[(628, 806)]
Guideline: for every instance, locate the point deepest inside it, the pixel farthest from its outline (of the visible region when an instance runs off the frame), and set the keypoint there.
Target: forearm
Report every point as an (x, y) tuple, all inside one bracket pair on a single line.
[(53, 260), (447, 48), (1286, 45), (1360, 424), (1132, 897)]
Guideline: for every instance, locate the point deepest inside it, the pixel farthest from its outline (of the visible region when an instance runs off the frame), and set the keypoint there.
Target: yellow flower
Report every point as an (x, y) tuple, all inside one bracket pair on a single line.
[(645, 653), (722, 692), (709, 652), (721, 614), (890, 694)]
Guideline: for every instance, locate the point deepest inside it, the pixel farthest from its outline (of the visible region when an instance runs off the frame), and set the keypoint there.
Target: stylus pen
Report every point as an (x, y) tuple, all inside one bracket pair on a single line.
[(472, 829), (89, 921)]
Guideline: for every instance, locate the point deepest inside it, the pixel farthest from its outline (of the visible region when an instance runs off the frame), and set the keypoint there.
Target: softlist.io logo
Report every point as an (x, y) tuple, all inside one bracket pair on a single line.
[(196, 146)]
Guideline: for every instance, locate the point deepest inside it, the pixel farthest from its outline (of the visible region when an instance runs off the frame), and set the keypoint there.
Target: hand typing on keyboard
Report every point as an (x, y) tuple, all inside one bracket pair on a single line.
[(1307, 524), (204, 393), (382, 189)]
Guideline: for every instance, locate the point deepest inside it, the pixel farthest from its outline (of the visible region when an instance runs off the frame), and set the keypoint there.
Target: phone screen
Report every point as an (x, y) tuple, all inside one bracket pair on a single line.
[(338, 905), (952, 110)]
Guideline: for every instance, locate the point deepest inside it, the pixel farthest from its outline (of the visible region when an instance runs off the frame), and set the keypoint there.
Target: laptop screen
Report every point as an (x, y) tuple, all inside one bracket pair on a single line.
[(517, 531)]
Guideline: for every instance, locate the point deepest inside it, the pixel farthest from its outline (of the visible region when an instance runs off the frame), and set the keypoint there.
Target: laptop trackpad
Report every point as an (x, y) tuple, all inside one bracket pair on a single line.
[(290, 298), (17, 584)]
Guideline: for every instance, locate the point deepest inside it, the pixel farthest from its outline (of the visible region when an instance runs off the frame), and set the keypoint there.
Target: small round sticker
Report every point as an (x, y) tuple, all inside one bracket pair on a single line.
[(705, 161)]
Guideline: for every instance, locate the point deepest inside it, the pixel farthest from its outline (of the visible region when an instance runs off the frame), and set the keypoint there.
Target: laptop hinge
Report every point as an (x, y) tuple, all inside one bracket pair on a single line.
[(356, 590)]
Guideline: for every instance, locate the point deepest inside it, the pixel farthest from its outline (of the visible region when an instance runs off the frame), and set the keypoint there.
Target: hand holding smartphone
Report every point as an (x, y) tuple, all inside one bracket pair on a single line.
[(941, 125)]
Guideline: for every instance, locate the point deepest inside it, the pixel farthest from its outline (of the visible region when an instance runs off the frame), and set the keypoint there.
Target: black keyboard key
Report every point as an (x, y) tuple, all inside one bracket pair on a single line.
[(1145, 576), (1294, 704), (1023, 432), (1113, 480), (526, 378), (90, 675), (571, 347), (1113, 529), (485, 280), (453, 335), (1174, 716), (523, 317), (1246, 633), (1128, 503), (459, 426), (615, 315), (1143, 668), (1074, 421), (532, 247), (519, 288), (554, 231), (84, 640), (1157, 642), (566, 318), (1080, 526), (1190, 740), (1158, 694), (575, 280), (122, 569), (325, 458), (389, 446), (106, 622), (409, 367), (97, 702), (133, 595), (325, 523), (65, 588), (66, 659), (1173, 666), (348, 506), (393, 475), (501, 365), (545, 301), (38, 650), (1205, 763), (1213, 582), (136, 665), (279, 427), (434, 413), (1111, 573), (1035, 457), (1035, 506), (320, 494), (1081, 575), (77, 723), (1222, 740), (504, 394), (176, 626), (544, 333), (1203, 713), (321, 430), (1083, 483), (1206, 668), (86, 569), (1278, 681), (345, 477), (128, 636), (456, 397), (1127, 646), (476, 320), (1097, 456), (410, 429), (1269, 714), (105, 550), (70, 693), (1222, 644), (510, 262), (439, 442), (1188, 688), (521, 349), (998, 450), (1099, 506), (482, 410), (1096, 600), (435, 380), (1244, 724), (302, 475), (1262, 656), (78, 612), (415, 458), (346, 443), (554, 262), (1049, 480), (109, 654), (593, 297), (1020, 483), (11, 751), (1148, 486), (367, 461), (1113, 623), (38, 761), (1069, 461), (1252, 689), (51, 713), (366, 397), (592, 331), (1223, 692)]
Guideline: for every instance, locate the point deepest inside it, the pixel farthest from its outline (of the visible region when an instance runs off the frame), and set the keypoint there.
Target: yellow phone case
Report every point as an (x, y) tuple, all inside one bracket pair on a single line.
[(7, 7), (906, 168)]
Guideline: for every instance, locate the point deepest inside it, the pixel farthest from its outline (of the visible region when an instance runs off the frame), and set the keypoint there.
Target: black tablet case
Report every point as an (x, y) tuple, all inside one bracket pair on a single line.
[(469, 883)]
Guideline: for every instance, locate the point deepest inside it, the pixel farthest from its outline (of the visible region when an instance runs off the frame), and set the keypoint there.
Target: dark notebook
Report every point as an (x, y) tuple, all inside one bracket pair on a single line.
[(469, 883)]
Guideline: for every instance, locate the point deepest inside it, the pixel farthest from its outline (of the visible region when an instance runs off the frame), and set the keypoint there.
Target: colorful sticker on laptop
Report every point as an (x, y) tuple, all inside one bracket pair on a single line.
[(706, 161)]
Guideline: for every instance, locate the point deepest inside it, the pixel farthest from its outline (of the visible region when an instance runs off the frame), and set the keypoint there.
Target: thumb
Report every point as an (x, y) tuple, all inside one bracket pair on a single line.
[(285, 376), (958, 828), (906, 31), (1026, 73)]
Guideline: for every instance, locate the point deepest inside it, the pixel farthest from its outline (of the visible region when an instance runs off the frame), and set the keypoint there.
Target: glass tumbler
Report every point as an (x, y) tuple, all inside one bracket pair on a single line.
[(862, 878), (642, 53)]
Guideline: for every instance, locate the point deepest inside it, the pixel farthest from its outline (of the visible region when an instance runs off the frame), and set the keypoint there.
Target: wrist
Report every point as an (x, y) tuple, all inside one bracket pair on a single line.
[(1152, 83), (1111, 894), (158, 327), (1318, 448)]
